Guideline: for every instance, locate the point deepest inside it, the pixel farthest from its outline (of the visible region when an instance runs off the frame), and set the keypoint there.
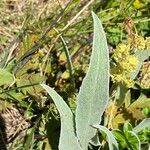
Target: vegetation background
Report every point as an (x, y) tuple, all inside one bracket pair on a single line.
[(50, 41)]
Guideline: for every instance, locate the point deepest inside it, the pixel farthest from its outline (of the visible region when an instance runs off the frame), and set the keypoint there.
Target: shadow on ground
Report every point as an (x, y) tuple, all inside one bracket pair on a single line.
[(3, 137)]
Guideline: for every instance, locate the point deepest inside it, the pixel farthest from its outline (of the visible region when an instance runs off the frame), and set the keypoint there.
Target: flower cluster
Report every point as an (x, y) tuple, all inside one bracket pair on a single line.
[(122, 77), (125, 64), (140, 42)]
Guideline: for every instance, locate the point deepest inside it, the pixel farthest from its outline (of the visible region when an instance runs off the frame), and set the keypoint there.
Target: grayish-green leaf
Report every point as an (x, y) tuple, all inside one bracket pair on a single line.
[(144, 124), (94, 91), (95, 141), (111, 139), (142, 56), (68, 139)]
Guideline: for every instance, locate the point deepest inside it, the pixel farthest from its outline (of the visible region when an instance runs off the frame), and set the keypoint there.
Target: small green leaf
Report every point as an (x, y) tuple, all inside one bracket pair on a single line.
[(120, 137), (30, 138), (127, 127), (29, 141), (133, 141), (6, 77), (128, 139)]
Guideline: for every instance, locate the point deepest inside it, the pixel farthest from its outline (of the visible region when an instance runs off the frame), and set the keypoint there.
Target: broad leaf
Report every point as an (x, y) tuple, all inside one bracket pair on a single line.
[(67, 135), (6, 77), (94, 92), (144, 124), (111, 139)]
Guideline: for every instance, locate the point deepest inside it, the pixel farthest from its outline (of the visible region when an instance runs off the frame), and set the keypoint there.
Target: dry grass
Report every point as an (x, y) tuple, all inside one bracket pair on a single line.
[(14, 12)]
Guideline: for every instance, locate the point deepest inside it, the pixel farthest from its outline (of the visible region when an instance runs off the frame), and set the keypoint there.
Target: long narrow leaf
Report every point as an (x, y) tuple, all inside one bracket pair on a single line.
[(111, 139), (67, 140), (94, 92)]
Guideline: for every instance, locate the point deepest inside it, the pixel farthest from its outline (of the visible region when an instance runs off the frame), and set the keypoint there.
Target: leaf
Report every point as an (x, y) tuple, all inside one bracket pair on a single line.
[(127, 139), (120, 137), (68, 138), (127, 99), (29, 79), (133, 140), (111, 139), (6, 77), (95, 141), (127, 127), (144, 124), (30, 138), (141, 102), (121, 94), (53, 132), (94, 91), (142, 56), (29, 141), (136, 107)]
